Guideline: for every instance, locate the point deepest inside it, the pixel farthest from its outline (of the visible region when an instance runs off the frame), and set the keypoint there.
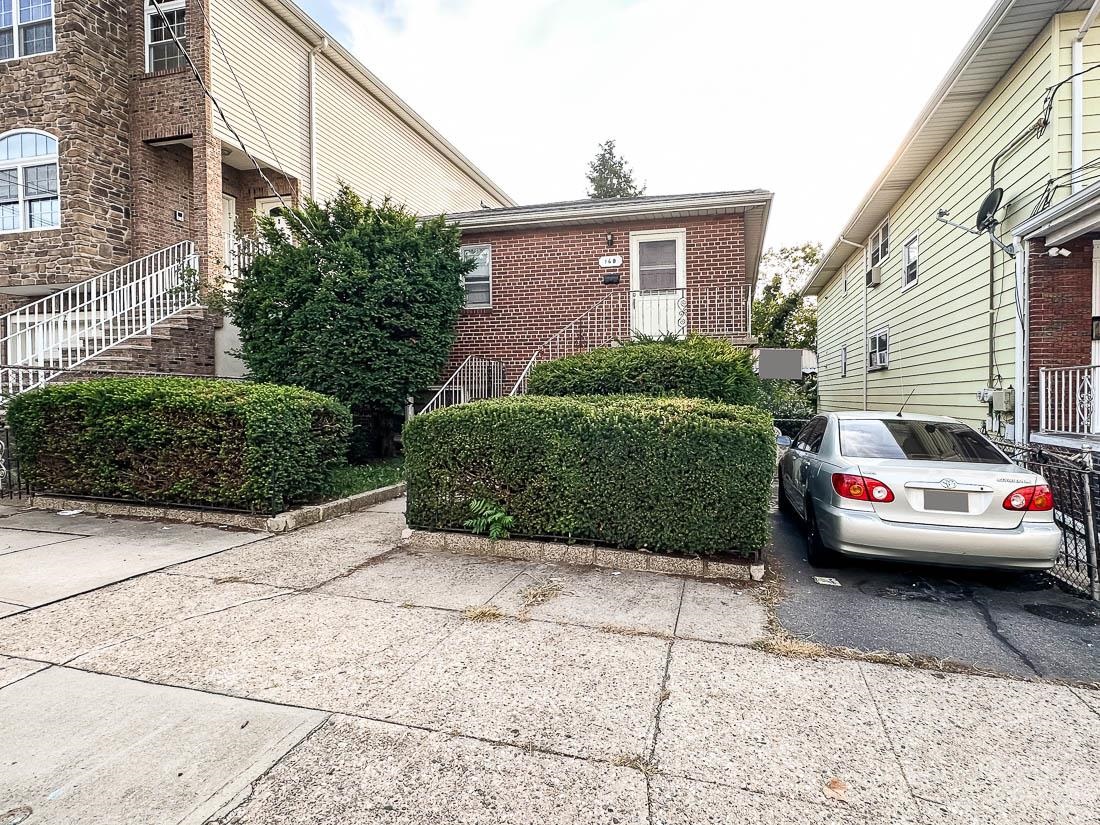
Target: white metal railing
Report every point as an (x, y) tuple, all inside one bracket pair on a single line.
[(476, 378), (1067, 400), (75, 324), (715, 311)]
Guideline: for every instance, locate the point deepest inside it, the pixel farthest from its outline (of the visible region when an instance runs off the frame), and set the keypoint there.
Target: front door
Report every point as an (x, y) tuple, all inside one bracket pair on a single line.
[(658, 298), (229, 236)]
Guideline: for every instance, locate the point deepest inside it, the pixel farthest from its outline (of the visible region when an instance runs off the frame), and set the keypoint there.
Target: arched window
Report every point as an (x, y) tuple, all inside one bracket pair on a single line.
[(29, 194)]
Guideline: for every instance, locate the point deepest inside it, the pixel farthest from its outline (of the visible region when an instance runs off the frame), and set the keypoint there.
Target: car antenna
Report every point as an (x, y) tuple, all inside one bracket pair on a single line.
[(904, 403)]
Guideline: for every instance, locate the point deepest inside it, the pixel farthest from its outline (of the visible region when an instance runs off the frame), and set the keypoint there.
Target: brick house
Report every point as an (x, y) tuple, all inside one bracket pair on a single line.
[(557, 278), (118, 173)]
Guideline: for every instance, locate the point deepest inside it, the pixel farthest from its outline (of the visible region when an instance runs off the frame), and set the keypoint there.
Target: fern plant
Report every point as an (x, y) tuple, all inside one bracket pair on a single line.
[(488, 517)]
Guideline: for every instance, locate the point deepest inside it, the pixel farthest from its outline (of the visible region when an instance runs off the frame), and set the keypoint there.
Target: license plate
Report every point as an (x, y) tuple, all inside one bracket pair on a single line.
[(946, 501)]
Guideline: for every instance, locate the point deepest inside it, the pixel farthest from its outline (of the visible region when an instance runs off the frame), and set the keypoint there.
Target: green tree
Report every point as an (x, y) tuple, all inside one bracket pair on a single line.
[(355, 300), (781, 317), (610, 177)]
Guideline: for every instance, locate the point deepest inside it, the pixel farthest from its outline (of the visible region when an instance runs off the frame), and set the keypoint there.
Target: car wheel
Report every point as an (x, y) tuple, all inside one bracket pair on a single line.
[(785, 506), (817, 554)]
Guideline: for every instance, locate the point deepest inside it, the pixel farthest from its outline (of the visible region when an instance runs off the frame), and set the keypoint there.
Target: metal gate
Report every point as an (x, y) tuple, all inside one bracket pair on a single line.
[(1075, 482), (11, 485)]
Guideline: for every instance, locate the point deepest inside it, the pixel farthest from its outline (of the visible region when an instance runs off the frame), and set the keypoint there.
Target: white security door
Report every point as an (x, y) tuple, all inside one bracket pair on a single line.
[(658, 305), (229, 236)]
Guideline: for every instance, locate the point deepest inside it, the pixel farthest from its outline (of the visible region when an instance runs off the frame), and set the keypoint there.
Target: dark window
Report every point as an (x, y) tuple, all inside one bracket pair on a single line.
[(810, 437), (916, 441)]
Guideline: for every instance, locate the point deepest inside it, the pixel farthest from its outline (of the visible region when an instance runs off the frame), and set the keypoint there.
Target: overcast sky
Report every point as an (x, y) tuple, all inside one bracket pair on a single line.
[(806, 98)]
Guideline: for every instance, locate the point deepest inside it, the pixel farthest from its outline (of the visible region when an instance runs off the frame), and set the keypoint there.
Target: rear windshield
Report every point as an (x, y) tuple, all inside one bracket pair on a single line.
[(917, 440)]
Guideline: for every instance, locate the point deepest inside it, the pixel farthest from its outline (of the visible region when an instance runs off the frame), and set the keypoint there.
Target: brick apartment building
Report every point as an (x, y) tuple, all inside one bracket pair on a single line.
[(110, 151), (562, 277)]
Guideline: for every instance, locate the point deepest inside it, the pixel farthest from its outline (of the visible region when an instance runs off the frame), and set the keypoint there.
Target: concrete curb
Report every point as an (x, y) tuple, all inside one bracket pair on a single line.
[(585, 554), (281, 523)]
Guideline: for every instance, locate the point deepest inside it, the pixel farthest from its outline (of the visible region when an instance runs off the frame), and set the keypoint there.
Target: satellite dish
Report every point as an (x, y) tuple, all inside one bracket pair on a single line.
[(990, 205)]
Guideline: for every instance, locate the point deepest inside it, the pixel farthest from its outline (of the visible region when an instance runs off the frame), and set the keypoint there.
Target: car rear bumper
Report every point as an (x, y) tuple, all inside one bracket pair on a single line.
[(1031, 546)]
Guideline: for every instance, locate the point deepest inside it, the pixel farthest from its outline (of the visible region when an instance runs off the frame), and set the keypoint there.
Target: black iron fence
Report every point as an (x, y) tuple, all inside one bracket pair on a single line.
[(11, 485), (1074, 480)]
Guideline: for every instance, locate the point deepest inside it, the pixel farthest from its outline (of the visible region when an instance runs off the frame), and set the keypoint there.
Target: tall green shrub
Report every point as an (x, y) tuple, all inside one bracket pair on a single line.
[(355, 300), (697, 367), (672, 474), (180, 440)]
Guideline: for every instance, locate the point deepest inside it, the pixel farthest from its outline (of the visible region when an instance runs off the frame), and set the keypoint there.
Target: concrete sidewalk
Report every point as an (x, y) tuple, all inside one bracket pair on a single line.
[(325, 676)]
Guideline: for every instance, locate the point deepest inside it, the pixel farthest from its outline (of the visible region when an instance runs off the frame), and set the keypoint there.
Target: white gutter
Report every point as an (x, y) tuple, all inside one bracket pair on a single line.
[(312, 62), (1077, 87)]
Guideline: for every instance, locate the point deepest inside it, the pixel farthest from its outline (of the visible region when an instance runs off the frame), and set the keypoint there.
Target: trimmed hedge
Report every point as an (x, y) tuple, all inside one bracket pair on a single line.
[(180, 440), (696, 367), (673, 474)]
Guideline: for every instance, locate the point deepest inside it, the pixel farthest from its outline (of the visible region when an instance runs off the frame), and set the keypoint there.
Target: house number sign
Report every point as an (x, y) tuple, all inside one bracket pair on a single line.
[(611, 261)]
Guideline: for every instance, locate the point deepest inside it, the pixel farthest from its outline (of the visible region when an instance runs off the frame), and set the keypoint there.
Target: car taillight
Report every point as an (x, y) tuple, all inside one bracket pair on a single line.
[(1033, 498), (861, 488)]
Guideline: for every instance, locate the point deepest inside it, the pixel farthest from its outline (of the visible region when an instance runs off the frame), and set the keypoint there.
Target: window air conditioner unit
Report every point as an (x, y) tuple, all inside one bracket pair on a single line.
[(874, 276)]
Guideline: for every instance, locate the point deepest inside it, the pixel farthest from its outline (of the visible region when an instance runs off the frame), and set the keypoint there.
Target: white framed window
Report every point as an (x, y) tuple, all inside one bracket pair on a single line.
[(878, 247), (161, 52), (878, 349), (30, 197), (843, 362), (910, 252), (26, 28), (478, 282)]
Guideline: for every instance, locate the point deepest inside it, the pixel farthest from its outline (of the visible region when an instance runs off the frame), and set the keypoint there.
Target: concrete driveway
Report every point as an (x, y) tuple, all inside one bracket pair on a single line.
[(327, 676)]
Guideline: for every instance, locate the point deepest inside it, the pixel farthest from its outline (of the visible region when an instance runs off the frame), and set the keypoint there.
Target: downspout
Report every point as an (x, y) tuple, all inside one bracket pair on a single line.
[(1023, 376), (312, 61), (1077, 95), (863, 346)]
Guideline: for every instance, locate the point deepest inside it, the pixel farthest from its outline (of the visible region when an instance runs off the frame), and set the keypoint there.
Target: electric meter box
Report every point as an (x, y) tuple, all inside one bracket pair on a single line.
[(1004, 401)]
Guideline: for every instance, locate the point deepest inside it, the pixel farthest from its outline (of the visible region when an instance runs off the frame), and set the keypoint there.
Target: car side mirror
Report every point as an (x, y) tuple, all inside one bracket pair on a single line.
[(784, 441)]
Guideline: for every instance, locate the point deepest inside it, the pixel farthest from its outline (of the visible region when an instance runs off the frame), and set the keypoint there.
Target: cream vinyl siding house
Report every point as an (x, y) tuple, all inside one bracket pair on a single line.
[(958, 303), (328, 119)]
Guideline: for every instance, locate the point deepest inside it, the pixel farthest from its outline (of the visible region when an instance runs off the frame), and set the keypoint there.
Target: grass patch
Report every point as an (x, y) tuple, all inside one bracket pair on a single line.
[(644, 766), (540, 592), (482, 613), (359, 478)]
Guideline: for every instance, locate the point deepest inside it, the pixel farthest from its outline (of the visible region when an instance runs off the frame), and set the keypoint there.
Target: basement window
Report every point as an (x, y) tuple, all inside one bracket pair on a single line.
[(163, 27), (843, 362), (29, 190), (878, 349), (26, 28), (478, 282)]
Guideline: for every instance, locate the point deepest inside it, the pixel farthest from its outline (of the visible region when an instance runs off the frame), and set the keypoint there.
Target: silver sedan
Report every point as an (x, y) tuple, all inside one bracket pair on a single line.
[(915, 488)]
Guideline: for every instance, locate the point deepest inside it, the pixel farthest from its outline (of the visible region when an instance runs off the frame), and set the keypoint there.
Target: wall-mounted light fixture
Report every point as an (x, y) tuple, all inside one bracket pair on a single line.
[(610, 240), (1056, 251)]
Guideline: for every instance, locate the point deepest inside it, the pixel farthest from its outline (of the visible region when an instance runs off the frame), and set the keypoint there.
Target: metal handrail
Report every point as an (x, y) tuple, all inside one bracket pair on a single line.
[(79, 323), (1068, 399), (476, 378)]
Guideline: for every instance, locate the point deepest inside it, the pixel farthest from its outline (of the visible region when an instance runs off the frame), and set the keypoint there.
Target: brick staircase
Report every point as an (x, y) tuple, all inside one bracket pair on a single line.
[(179, 344)]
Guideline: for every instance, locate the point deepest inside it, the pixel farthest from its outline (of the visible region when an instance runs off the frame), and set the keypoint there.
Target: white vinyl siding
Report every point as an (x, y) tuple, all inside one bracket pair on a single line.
[(270, 61), (359, 140), (939, 325)]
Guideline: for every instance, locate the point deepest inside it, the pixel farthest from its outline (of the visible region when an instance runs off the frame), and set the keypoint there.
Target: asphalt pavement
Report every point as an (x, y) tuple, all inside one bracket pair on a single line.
[(1022, 624)]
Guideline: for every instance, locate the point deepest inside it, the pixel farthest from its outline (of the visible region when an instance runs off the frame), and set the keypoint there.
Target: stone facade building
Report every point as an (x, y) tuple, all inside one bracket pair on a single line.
[(111, 150)]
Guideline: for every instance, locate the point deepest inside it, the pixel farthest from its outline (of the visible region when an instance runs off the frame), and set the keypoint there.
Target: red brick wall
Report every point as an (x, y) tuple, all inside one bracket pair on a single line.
[(1059, 312), (543, 278)]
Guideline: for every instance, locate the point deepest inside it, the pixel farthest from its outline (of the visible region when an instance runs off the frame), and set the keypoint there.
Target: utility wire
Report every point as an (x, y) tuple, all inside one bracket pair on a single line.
[(225, 58), (206, 91)]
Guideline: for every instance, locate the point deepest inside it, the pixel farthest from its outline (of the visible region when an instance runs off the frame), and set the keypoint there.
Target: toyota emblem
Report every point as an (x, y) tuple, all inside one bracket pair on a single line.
[(949, 484)]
